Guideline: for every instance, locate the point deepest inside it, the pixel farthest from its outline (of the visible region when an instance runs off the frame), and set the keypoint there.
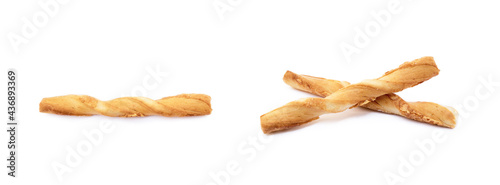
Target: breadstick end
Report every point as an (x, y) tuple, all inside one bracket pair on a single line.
[(271, 127), (57, 105), (453, 122)]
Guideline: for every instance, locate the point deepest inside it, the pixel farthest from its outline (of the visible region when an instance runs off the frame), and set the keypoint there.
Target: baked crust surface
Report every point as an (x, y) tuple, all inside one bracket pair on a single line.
[(344, 95), (173, 106)]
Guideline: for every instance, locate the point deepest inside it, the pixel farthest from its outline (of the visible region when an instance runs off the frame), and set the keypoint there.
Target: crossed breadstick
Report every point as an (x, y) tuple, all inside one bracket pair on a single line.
[(391, 103), (347, 96), (173, 106)]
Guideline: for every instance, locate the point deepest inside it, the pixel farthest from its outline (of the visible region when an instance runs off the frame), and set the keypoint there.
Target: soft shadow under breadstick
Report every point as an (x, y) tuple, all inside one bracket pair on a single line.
[(173, 106), (391, 103)]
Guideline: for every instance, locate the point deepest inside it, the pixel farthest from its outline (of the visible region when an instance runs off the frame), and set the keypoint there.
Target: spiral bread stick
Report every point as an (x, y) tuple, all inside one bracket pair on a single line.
[(391, 103), (302, 111), (173, 106)]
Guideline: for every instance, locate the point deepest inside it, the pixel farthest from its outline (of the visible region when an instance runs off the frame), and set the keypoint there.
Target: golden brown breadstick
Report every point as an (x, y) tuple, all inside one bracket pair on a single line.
[(302, 111), (427, 112), (173, 106)]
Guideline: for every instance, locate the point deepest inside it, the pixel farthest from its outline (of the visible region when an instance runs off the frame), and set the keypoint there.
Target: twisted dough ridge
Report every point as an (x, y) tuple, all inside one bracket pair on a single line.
[(173, 106), (302, 111), (391, 103)]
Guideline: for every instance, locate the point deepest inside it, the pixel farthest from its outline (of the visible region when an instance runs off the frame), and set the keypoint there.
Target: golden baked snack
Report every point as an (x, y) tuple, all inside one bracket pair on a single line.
[(302, 111), (391, 103), (173, 106)]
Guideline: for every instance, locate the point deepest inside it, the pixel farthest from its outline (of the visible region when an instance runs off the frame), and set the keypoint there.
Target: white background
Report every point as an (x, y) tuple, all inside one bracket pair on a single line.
[(102, 49)]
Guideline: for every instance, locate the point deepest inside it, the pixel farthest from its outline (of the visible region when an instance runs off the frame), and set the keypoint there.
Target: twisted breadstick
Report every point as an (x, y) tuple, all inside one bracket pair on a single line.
[(173, 106), (299, 112), (391, 103)]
